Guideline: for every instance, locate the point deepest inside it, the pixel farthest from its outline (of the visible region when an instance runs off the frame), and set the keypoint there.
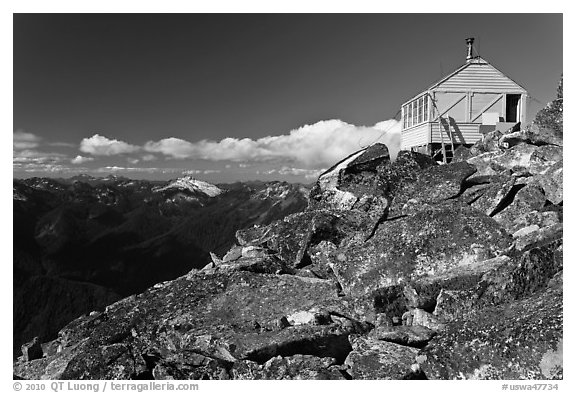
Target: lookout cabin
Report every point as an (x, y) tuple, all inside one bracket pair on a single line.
[(458, 109)]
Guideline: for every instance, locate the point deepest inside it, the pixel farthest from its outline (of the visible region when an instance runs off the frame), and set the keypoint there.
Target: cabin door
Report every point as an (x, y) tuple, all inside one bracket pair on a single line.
[(513, 107)]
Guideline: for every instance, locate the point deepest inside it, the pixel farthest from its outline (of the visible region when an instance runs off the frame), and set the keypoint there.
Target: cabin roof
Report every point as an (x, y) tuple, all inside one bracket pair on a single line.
[(476, 60)]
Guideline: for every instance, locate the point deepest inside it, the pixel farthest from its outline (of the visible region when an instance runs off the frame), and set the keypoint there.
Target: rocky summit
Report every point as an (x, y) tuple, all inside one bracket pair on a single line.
[(396, 270)]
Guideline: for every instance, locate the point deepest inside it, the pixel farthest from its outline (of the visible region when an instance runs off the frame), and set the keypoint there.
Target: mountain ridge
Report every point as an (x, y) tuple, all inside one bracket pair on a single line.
[(121, 236)]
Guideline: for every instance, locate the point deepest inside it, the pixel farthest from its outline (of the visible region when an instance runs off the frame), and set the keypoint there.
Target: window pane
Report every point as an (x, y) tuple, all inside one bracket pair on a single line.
[(420, 108), (404, 116), (426, 108)]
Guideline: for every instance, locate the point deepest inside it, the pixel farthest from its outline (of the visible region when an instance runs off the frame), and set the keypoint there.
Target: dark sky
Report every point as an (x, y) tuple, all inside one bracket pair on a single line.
[(148, 77)]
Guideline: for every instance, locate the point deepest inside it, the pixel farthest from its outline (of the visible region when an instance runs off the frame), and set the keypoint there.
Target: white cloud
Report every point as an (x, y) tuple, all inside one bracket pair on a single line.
[(81, 160), (98, 145), (148, 157), (62, 144), (116, 169), (312, 146), (34, 156), (307, 173), (25, 140), (200, 171), (132, 161)]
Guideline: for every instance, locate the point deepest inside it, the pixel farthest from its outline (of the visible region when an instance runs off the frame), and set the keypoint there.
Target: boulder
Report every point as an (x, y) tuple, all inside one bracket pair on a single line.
[(432, 185), (419, 317), (209, 314), (488, 143), (461, 153), (454, 305), (519, 277), (528, 199), (494, 196), (269, 264), (549, 153), (291, 237), (404, 169), (541, 135), (233, 254), (351, 181), (254, 252), (524, 159), (375, 359), (290, 367), (538, 238), (425, 244), (525, 274), (511, 139), (473, 192), (552, 183), (32, 350), (520, 340), (412, 336)]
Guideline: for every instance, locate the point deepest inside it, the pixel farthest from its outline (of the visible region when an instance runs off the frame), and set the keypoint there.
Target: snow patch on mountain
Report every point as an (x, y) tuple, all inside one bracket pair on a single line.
[(193, 185)]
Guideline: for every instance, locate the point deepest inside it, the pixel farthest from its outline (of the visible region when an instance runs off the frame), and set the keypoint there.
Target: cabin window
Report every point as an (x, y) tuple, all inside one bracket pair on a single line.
[(415, 112), (420, 108)]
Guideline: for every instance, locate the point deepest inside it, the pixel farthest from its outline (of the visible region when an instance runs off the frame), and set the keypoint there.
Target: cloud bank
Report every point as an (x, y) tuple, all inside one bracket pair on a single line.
[(25, 140), (311, 146)]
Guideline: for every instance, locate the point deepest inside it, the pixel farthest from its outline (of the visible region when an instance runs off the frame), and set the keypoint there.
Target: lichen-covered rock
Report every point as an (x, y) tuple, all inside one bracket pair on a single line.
[(351, 181), (461, 153), (389, 259), (520, 340), (432, 185), (489, 142), (291, 237), (209, 314), (289, 367), (513, 278), (233, 254), (427, 243), (413, 336), (493, 197), (542, 135), (549, 153), (529, 198), (376, 359), (419, 317), (523, 158), (540, 237), (473, 192), (32, 350), (552, 182), (404, 169)]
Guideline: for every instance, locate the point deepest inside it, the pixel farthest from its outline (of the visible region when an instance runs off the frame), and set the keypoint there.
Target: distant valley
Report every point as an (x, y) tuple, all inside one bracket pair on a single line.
[(84, 242)]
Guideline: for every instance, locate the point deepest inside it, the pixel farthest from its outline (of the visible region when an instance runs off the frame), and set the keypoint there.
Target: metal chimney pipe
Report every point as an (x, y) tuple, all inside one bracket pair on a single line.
[(469, 42)]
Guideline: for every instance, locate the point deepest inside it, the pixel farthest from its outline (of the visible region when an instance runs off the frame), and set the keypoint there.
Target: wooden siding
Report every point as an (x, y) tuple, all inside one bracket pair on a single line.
[(480, 102), (463, 133), (479, 76), (415, 136), (446, 100)]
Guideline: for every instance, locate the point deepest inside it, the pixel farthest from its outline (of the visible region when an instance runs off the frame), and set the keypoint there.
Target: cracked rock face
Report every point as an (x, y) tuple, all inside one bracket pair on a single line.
[(397, 270)]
